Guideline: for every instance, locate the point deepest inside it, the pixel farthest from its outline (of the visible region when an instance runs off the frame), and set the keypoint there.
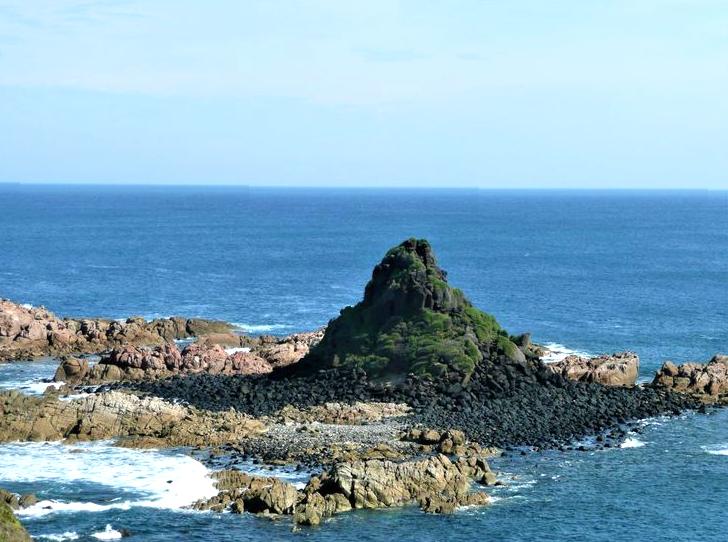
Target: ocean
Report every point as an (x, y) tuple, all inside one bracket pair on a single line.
[(591, 271)]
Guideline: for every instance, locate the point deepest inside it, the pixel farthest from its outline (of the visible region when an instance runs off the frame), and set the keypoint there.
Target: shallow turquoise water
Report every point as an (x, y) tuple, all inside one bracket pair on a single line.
[(595, 271)]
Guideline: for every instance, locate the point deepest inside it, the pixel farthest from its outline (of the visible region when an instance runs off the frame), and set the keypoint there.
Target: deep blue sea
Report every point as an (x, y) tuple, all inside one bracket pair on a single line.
[(594, 271)]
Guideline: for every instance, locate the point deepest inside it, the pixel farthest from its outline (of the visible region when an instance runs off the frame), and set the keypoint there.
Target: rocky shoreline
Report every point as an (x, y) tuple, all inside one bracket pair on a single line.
[(401, 399), (28, 332)]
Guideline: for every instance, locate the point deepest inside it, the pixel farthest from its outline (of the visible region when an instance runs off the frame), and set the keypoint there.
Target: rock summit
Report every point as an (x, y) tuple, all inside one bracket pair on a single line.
[(410, 321)]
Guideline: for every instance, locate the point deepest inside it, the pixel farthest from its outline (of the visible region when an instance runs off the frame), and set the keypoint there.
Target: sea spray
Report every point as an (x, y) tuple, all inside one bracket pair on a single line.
[(149, 478)]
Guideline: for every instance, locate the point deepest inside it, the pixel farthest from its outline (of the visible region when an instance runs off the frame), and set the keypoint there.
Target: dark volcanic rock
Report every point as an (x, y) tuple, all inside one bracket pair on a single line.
[(410, 321), (415, 340)]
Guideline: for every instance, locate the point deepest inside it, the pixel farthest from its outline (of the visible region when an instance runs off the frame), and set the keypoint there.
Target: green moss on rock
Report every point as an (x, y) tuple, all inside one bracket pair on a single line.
[(410, 320), (10, 528)]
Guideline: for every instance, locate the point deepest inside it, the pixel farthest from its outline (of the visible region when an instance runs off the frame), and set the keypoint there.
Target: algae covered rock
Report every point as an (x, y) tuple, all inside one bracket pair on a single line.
[(410, 321), (10, 528)]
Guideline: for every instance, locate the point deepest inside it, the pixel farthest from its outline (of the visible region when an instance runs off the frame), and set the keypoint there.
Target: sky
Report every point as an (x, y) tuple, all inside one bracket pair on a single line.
[(466, 93)]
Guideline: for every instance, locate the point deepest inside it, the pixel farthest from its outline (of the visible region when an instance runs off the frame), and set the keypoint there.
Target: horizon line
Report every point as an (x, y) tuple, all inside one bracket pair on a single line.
[(353, 187)]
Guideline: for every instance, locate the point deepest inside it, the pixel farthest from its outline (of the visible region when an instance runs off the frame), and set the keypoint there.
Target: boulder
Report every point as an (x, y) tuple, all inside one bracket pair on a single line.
[(276, 498), (226, 340), (197, 327), (383, 483), (197, 357), (619, 369), (17, 502), (707, 382), (134, 362), (288, 350), (258, 495), (72, 371), (247, 363)]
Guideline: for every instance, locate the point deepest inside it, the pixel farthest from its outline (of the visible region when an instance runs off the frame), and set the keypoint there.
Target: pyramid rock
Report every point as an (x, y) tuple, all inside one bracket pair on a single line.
[(410, 321)]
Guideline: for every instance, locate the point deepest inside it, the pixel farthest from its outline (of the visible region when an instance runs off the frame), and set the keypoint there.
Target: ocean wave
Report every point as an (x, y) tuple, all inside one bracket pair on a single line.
[(60, 537), (49, 506), (556, 352), (298, 478), (631, 442), (109, 533), (30, 387), (231, 351), (30, 377), (259, 328), (158, 479), (716, 450)]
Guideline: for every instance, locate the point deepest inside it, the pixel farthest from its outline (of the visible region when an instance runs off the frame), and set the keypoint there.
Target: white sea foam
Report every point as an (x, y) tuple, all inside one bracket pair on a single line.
[(298, 478), (107, 534), (231, 351), (75, 396), (162, 480), (60, 537), (30, 377), (259, 328), (717, 450), (26, 306), (556, 352), (631, 442), (30, 387)]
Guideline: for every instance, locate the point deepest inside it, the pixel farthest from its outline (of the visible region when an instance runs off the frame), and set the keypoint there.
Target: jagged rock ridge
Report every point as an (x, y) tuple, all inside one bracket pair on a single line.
[(410, 321)]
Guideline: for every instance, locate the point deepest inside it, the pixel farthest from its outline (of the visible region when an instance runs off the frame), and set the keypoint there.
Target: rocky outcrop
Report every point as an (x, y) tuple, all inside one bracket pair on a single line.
[(208, 355), (10, 528), (706, 382), (28, 332), (281, 352), (450, 442), (620, 369), (410, 321), (17, 502), (240, 492), (72, 371), (140, 422), (438, 484)]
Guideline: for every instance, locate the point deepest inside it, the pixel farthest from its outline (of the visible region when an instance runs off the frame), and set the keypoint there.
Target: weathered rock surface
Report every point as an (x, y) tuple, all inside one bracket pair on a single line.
[(29, 332), (410, 321), (450, 442), (139, 422), (17, 502), (437, 483), (241, 492), (706, 382), (280, 352), (619, 369), (10, 528), (72, 371), (343, 413), (208, 355)]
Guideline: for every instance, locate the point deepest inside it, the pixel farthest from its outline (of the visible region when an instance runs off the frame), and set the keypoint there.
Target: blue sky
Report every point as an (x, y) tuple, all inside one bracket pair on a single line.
[(507, 94)]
